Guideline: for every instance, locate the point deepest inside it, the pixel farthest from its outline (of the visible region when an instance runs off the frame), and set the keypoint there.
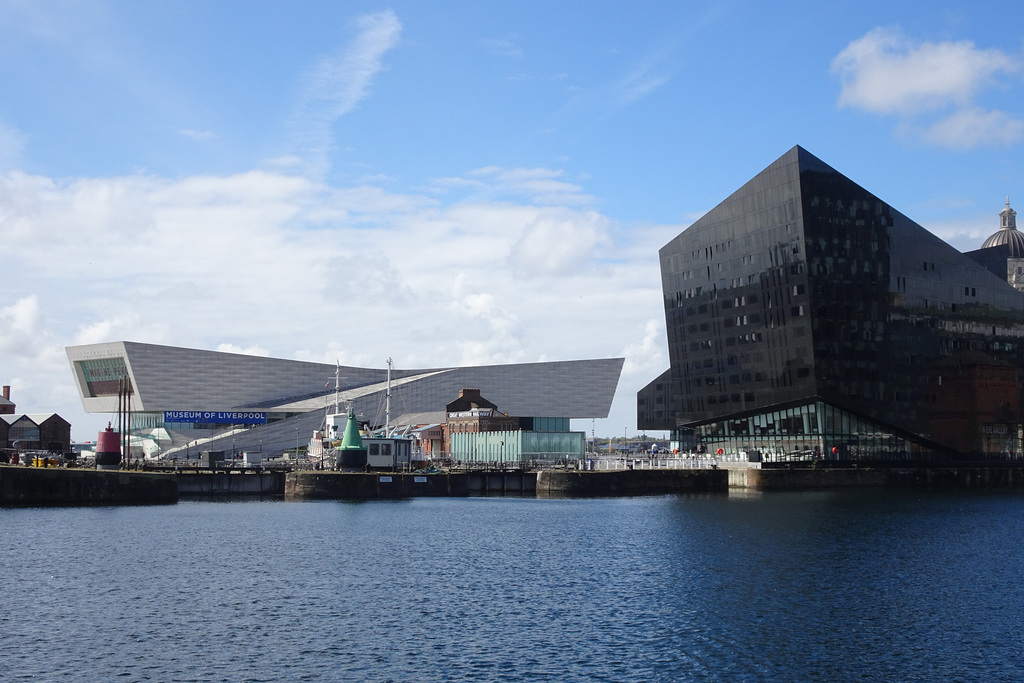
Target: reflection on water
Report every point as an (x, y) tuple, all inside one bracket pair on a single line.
[(879, 585)]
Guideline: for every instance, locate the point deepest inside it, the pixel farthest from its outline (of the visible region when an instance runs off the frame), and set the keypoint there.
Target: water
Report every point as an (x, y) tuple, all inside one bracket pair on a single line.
[(841, 586)]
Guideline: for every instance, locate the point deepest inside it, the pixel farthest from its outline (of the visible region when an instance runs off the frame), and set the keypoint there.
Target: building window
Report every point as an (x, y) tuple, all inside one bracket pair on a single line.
[(23, 431)]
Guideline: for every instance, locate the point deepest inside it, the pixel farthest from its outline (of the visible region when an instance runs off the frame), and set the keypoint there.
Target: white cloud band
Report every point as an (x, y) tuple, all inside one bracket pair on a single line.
[(884, 72)]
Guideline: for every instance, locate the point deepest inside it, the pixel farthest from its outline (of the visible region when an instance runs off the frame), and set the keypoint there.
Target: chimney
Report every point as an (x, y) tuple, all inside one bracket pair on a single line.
[(469, 393), (7, 392)]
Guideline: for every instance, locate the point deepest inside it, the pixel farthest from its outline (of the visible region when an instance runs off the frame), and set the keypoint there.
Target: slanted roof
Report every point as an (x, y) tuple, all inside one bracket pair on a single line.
[(36, 418), (40, 418), (469, 399), (417, 419)]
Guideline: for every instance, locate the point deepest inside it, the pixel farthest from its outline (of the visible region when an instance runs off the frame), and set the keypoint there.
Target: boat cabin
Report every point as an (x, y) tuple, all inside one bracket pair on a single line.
[(388, 453)]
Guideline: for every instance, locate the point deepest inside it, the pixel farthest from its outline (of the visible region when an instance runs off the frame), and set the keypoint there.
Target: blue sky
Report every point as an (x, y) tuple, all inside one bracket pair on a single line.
[(452, 182)]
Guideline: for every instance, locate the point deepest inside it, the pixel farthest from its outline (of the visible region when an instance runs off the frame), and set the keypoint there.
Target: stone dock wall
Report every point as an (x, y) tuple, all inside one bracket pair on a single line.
[(629, 482), (894, 477), (359, 486), (33, 486), (38, 486), (364, 486), (231, 483)]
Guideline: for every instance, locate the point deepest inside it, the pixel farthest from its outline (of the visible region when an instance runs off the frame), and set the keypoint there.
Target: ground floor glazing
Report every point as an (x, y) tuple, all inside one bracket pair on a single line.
[(812, 431)]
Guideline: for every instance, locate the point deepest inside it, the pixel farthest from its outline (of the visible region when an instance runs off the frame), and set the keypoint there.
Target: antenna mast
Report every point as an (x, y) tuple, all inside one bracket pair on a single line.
[(387, 404), (337, 381)]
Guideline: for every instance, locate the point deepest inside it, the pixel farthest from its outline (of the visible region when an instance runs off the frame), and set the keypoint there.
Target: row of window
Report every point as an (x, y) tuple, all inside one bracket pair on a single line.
[(862, 207), (732, 340), (738, 301)]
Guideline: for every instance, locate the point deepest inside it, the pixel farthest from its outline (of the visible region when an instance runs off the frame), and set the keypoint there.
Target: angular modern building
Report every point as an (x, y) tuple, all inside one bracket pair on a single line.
[(189, 399), (807, 318)]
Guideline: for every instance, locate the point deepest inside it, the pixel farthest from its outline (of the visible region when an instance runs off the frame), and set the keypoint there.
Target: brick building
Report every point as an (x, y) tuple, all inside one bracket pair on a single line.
[(974, 403), (471, 413), (6, 405), (37, 432)]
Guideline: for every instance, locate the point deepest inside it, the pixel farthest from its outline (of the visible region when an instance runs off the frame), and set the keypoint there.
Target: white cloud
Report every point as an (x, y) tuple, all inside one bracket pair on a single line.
[(198, 135), (287, 161), (107, 329), (639, 84), (273, 264), (504, 47), (21, 327), (537, 185), (559, 241), (34, 364), (885, 72), (488, 332), (342, 80), (975, 127), (644, 77), (338, 82), (248, 351), (648, 357)]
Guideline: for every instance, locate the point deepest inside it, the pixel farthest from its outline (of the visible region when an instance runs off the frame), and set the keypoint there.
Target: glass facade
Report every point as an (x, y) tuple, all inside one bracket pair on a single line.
[(102, 376), (809, 432), (24, 431), (516, 447), (804, 288)]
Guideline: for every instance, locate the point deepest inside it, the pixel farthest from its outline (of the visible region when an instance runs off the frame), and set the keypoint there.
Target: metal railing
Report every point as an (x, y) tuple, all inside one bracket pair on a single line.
[(696, 461)]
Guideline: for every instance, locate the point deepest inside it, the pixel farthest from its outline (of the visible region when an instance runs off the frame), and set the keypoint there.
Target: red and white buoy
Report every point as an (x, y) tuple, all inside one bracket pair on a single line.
[(108, 450)]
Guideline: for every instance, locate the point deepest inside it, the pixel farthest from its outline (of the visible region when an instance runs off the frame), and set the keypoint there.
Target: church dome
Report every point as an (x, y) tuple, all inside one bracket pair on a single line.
[(1007, 233), (1011, 236)]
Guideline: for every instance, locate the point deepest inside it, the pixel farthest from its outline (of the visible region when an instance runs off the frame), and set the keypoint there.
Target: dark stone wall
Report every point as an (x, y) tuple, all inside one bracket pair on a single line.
[(629, 482), (231, 483), (37, 486), (894, 477), (366, 486), (359, 486), (788, 479), (957, 477)]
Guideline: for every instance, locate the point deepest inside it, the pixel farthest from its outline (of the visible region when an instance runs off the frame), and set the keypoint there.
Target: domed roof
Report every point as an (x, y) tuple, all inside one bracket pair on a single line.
[(1010, 236), (1007, 233)]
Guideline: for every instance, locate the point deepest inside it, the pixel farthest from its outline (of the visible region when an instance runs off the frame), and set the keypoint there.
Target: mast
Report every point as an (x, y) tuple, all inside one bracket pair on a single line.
[(337, 382), (124, 419), (387, 404)]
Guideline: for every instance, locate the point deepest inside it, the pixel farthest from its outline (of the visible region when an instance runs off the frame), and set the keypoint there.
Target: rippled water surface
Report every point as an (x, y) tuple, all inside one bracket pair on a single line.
[(850, 586)]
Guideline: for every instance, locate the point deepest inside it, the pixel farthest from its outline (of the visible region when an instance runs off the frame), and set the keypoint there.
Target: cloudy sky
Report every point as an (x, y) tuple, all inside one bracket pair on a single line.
[(449, 183)]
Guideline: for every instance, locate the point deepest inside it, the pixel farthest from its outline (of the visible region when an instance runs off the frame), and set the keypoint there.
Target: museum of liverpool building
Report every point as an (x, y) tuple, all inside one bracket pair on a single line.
[(186, 400), (807, 319)]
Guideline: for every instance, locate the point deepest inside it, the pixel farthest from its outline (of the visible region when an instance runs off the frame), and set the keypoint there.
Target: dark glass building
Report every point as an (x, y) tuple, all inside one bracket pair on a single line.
[(806, 318)]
